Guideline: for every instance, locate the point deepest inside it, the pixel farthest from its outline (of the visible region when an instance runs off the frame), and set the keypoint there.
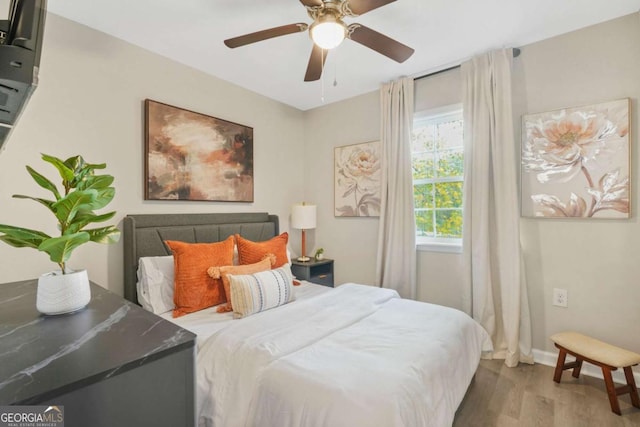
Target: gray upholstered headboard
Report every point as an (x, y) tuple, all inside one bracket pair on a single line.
[(144, 235)]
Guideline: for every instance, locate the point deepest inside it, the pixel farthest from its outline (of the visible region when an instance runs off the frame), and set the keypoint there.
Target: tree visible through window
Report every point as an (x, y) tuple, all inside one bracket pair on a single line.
[(438, 162)]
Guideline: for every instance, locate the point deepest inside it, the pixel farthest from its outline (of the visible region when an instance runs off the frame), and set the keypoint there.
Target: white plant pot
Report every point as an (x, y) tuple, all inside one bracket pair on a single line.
[(63, 293), (319, 257)]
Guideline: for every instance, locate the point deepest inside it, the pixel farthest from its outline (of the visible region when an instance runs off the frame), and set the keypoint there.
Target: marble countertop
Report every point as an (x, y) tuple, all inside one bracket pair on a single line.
[(44, 356)]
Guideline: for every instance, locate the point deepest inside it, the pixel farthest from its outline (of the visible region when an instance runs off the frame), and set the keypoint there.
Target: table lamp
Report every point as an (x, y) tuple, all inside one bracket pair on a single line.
[(303, 217)]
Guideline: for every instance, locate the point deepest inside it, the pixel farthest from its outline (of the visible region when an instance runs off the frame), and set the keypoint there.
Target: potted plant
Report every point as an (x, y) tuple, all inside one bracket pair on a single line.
[(319, 254), (65, 290)]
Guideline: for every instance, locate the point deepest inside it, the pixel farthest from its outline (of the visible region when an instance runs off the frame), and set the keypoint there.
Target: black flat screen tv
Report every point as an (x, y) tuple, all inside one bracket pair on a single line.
[(20, 48)]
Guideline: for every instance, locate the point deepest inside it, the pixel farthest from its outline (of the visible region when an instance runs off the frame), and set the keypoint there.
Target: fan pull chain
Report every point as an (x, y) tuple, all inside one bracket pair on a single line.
[(322, 76)]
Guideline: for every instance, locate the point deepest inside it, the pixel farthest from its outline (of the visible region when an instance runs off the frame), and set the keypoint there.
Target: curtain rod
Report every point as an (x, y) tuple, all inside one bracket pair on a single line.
[(516, 53)]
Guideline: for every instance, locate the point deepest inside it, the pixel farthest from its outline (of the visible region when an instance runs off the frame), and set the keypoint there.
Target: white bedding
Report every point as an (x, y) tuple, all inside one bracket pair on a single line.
[(351, 356), (206, 322)]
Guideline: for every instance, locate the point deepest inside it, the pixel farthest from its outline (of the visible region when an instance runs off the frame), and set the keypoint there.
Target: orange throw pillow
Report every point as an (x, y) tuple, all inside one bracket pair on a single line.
[(224, 271), (251, 252), (194, 289)]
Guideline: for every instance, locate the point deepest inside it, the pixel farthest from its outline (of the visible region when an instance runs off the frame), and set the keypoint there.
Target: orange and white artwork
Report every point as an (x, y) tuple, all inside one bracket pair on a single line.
[(357, 179), (575, 162), (192, 156)]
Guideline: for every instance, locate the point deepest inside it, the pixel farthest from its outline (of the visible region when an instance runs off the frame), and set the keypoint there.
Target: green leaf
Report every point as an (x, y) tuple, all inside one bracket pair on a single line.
[(80, 166), (79, 180), (67, 207), (83, 218), (74, 209), (96, 182), (74, 163), (60, 248), (82, 171), (22, 237), (44, 182), (103, 217), (103, 198), (18, 243), (94, 166), (77, 164), (104, 235), (45, 202), (66, 173)]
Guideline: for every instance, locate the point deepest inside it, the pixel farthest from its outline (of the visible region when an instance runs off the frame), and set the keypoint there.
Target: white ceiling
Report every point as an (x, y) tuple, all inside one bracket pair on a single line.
[(442, 32)]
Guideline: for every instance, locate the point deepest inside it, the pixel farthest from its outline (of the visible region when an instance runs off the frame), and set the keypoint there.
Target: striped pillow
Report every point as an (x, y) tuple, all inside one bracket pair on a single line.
[(253, 293)]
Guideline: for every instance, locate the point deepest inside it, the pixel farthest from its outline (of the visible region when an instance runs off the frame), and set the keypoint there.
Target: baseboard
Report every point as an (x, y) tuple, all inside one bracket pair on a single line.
[(548, 358)]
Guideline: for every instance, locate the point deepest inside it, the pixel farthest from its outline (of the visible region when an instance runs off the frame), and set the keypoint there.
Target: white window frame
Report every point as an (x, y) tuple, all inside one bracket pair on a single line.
[(436, 115)]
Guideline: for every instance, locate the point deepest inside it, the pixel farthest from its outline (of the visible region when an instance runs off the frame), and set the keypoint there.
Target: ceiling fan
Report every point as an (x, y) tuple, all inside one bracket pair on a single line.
[(328, 30)]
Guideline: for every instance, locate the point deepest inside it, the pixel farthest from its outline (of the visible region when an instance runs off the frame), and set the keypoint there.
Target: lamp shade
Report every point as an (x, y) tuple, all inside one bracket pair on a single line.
[(328, 34), (303, 216)]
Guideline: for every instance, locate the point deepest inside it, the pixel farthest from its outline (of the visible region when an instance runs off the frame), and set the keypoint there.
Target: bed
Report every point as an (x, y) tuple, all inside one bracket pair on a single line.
[(355, 355)]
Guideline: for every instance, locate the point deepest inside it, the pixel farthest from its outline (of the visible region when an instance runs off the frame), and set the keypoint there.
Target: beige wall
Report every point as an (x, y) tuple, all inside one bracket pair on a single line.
[(351, 241), (597, 261), (90, 102)]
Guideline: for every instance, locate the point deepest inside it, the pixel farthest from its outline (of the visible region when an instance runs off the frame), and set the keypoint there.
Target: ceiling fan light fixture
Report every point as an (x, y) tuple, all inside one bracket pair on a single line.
[(328, 32)]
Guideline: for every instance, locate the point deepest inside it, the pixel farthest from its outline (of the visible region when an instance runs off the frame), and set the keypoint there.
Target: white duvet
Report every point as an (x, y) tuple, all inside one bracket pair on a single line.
[(354, 356)]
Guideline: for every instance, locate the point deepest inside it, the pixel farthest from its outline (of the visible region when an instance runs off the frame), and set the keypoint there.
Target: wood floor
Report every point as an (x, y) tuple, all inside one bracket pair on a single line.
[(527, 396)]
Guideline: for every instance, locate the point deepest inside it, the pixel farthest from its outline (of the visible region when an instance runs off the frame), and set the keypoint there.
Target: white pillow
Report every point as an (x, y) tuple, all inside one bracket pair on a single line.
[(155, 283), (253, 293)]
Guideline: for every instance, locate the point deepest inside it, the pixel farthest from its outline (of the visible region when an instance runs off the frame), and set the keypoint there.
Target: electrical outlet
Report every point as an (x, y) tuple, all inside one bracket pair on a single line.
[(560, 297)]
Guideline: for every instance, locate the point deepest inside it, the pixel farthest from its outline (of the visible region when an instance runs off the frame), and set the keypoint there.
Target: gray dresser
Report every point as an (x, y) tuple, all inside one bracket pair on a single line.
[(110, 364)]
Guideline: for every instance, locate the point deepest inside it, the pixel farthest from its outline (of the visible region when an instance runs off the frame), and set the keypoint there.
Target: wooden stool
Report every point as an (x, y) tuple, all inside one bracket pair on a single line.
[(599, 353)]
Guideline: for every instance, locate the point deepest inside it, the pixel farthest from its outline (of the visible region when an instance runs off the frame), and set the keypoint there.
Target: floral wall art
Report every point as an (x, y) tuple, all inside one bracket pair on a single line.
[(192, 156), (575, 162), (357, 180)]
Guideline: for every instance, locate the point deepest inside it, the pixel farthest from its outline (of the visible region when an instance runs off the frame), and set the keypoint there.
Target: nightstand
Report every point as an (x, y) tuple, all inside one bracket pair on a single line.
[(319, 272)]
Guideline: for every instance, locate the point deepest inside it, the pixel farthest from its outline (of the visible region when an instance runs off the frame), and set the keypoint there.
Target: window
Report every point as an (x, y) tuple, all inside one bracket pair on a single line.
[(438, 162)]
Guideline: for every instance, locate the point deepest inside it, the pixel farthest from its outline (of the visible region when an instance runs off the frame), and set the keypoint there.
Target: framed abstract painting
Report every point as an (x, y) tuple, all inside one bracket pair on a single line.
[(357, 180), (192, 156), (575, 162)]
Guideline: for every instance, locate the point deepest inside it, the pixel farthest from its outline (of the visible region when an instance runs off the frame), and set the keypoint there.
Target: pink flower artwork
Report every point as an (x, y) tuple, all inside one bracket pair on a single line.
[(575, 162), (357, 180)]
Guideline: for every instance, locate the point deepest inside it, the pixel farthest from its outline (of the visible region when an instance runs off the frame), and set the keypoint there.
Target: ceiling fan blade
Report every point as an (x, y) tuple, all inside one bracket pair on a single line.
[(379, 42), (360, 7), (316, 63), (265, 34), (311, 3)]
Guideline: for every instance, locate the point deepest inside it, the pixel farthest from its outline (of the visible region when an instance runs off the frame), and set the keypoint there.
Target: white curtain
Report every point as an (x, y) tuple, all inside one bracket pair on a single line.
[(396, 260), (496, 295)]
